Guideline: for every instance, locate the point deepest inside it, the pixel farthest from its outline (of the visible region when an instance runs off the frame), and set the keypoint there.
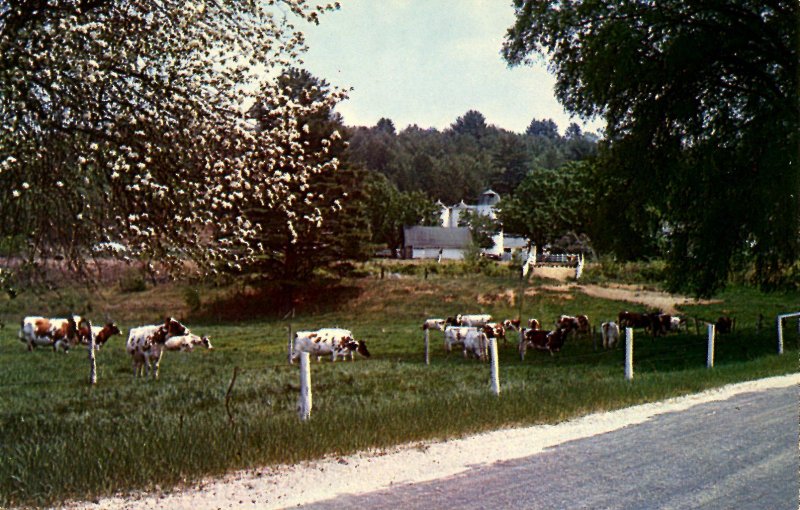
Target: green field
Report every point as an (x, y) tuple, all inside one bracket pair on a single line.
[(64, 439)]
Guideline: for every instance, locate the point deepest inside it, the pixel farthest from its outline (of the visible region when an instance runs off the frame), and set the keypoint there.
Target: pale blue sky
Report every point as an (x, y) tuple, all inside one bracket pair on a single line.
[(427, 62)]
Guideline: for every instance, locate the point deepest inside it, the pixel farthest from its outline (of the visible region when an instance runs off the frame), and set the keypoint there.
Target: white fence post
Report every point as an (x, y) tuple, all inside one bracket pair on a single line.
[(92, 357), (710, 355), (519, 345), (495, 366), (304, 404), (779, 322), (291, 348), (427, 347), (579, 267), (628, 354)]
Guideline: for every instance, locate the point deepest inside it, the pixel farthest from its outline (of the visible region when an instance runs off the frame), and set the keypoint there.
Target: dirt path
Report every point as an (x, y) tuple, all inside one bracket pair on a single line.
[(652, 299)]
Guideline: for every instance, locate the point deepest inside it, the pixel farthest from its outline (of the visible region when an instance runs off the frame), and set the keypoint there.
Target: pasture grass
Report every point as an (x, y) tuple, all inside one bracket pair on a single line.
[(63, 439)]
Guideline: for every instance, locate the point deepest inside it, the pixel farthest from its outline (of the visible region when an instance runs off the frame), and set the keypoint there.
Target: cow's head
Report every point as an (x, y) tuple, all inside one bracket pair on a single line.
[(205, 341), (361, 348), (174, 328), (112, 329), (451, 321)]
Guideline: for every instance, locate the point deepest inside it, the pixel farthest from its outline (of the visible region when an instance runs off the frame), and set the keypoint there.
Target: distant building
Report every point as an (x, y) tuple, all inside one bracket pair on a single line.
[(433, 242), (486, 204)]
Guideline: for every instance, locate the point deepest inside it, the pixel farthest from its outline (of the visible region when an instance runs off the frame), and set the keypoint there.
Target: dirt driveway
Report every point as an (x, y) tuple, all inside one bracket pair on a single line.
[(652, 299)]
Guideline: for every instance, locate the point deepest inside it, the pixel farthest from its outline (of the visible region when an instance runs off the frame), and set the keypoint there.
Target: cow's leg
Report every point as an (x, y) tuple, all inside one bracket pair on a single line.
[(158, 364), (522, 348)]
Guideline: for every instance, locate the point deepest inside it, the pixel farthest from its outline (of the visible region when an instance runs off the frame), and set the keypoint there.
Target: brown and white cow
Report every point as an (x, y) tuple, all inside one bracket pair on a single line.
[(495, 330), (476, 344), (455, 335), (101, 334), (512, 324), (474, 320), (146, 344), (43, 332), (437, 324), (551, 341), (610, 334), (628, 319), (335, 342)]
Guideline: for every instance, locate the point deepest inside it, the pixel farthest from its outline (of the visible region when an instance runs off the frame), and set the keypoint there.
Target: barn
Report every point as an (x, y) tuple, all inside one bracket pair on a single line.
[(428, 242)]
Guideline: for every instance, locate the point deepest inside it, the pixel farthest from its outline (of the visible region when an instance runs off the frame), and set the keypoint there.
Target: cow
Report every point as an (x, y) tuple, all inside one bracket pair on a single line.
[(455, 335), (551, 341), (101, 334), (43, 332), (334, 341), (437, 324), (610, 333), (495, 330), (476, 321), (187, 343), (579, 324), (633, 320), (513, 324), (724, 325), (476, 343), (146, 344)]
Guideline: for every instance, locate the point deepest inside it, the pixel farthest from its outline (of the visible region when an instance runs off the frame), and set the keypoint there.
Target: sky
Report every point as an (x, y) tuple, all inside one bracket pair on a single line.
[(427, 62)]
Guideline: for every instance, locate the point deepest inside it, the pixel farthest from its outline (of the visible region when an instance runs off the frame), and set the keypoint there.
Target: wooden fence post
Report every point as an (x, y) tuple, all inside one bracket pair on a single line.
[(710, 355), (427, 347), (628, 354), (304, 404), (495, 366)]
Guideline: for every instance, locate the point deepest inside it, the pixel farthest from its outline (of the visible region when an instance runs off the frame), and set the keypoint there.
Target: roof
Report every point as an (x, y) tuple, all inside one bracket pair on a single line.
[(436, 237)]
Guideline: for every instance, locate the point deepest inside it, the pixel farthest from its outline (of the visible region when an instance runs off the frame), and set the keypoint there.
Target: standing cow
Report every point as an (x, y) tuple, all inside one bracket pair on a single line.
[(43, 332), (335, 342), (146, 344)]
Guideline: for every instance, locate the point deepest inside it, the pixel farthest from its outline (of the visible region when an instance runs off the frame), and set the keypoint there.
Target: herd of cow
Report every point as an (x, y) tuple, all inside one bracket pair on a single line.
[(472, 332), (147, 344)]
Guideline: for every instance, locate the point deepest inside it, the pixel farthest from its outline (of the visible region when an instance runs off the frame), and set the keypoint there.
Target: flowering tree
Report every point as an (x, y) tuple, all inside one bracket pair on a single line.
[(124, 121)]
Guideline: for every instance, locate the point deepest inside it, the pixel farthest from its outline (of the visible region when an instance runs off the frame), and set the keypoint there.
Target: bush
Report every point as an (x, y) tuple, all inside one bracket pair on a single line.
[(132, 281)]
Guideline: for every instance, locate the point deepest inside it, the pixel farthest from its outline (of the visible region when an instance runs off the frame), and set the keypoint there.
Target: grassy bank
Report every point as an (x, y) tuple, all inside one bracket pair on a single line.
[(63, 439)]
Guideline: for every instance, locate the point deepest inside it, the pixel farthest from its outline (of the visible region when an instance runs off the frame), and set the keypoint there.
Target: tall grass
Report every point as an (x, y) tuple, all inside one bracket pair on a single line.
[(62, 439)]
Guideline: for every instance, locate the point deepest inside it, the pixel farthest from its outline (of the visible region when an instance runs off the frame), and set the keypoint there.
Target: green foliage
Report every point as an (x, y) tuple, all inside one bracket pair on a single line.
[(388, 210), (462, 161), (481, 228), (133, 280), (329, 222), (609, 269), (703, 124), (549, 203)]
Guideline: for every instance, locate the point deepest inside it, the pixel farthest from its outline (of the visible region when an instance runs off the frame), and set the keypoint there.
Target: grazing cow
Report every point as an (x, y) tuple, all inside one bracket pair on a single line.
[(476, 343), (455, 335), (724, 325), (633, 320), (101, 334), (584, 327), (569, 323), (187, 343), (334, 341), (495, 330), (610, 333), (55, 333), (551, 341), (146, 344), (437, 324), (476, 321)]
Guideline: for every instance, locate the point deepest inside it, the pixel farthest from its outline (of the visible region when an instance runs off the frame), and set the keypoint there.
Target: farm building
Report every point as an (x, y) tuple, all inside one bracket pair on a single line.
[(486, 203), (427, 242)]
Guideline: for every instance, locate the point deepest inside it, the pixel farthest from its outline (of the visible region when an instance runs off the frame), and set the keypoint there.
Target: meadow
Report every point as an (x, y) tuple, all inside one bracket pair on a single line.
[(64, 439)]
